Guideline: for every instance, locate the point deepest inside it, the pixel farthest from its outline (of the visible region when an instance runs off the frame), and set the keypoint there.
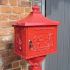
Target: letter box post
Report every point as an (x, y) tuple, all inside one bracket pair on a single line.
[(35, 37)]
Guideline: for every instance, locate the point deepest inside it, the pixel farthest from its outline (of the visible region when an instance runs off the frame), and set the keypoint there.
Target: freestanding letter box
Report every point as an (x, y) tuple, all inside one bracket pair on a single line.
[(35, 37)]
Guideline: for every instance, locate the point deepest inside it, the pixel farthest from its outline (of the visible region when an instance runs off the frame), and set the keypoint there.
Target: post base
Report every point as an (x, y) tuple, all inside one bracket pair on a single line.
[(35, 63), (35, 67)]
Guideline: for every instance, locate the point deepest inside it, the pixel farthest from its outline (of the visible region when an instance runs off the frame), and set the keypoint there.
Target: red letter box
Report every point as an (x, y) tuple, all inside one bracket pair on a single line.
[(35, 37)]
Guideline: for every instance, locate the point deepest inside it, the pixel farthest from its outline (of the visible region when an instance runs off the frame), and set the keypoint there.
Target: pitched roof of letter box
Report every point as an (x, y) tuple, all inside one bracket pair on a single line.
[(35, 18)]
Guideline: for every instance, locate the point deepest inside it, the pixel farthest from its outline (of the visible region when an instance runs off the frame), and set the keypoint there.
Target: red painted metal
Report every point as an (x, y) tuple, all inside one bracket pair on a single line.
[(35, 63), (35, 37), (43, 41)]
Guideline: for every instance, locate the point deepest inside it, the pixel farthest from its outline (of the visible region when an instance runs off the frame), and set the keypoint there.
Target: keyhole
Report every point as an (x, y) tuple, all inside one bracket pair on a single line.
[(20, 44), (30, 44)]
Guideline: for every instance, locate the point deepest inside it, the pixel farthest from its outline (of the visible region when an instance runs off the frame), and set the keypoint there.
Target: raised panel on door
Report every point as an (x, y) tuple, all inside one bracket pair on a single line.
[(41, 40)]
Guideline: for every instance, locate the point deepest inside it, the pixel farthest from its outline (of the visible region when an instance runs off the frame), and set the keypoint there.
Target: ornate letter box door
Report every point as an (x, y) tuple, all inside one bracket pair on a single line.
[(41, 40)]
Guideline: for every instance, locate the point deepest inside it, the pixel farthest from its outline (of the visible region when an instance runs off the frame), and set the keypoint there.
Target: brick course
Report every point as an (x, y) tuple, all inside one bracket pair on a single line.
[(6, 23), (5, 9), (13, 2), (4, 17), (3, 2)]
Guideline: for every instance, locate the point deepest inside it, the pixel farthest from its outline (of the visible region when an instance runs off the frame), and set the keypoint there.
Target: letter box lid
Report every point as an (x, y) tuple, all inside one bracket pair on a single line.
[(35, 18)]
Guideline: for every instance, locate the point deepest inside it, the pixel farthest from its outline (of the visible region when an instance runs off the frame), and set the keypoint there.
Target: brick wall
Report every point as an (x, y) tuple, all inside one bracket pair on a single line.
[(10, 11)]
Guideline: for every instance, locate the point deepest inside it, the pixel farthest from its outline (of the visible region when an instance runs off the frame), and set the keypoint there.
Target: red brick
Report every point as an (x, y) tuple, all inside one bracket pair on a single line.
[(18, 10), (15, 64), (27, 10), (13, 2), (24, 68), (22, 16), (17, 68), (4, 17), (7, 61), (3, 2), (13, 17), (23, 62), (2, 46), (5, 24), (6, 31), (24, 3), (5, 9)]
